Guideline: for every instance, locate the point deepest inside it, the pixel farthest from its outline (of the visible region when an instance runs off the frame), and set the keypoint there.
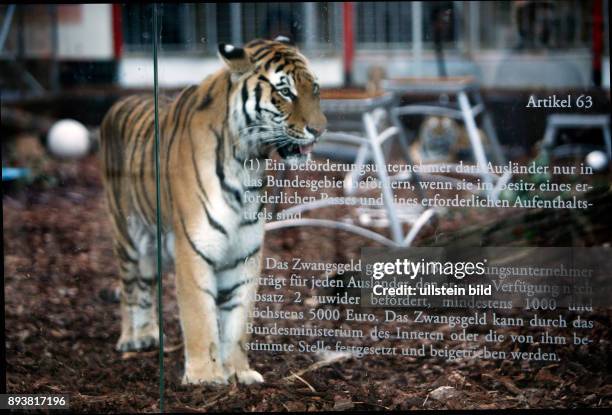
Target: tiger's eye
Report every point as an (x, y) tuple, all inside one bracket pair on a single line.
[(285, 91)]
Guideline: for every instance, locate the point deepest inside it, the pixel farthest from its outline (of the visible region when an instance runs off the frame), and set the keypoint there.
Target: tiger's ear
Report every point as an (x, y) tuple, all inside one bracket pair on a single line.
[(284, 39), (235, 58)]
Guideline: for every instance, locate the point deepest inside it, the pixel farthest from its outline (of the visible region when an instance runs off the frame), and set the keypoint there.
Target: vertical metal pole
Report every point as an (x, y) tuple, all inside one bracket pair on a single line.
[(54, 67), (20, 43), (458, 22), (160, 313), (387, 193), (417, 37), (606, 22), (473, 135), (326, 36), (310, 24), (211, 27), (188, 20), (337, 26), (597, 48), (367, 24), (578, 16), (489, 128), (249, 27), (349, 43), (236, 21), (380, 10), (474, 17), (6, 25), (395, 22), (20, 34)]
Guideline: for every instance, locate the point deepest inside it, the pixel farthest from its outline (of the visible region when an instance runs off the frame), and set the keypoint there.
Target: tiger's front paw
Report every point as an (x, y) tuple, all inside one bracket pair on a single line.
[(138, 342), (249, 377), (204, 379)]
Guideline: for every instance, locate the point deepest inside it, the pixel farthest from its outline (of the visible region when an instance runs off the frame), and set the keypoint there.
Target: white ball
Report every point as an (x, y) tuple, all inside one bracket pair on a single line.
[(597, 160), (68, 138)]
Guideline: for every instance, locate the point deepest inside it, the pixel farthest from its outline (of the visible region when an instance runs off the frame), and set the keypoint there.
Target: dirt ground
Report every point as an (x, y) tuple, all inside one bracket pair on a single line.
[(61, 330)]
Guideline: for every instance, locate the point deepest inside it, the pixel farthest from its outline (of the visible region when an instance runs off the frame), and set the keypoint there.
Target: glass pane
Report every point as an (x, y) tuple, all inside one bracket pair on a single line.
[(427, 155), (79, 259), (409, 145)]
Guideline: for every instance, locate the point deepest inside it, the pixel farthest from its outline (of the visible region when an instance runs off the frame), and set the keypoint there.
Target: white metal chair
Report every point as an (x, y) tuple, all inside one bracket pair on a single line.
[(369, 149)]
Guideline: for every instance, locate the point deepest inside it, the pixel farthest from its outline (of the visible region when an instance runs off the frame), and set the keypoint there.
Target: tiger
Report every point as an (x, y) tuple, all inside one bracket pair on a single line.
[(443, 140), (214, 139), (376, 76)]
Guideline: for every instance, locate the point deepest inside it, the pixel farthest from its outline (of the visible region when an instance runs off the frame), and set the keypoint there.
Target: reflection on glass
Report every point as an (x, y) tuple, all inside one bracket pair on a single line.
[(459, 136), (62, 173)]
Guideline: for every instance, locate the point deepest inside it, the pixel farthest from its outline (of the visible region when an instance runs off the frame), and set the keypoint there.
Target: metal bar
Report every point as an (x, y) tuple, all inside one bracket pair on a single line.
[(344, 137), (366, 13), (474, 17), (386, 134), (396, 230), (349, 180), (404, 140), (606, 20), (473, 134), (349, 42), (337, 26), (54, 67), (576, 38), (396, 19), (406, 11), (6, 25), (417, 37), (189, 25), (457, 12), (489, 129), (316, 204), (310, 24), (248, 9), (326, 39), (158, 216), (380, 10), (20, 34), (429, 110), (326, 223), (416, 227), (502, 181), (236, 23), (549, 136), (211, 27)]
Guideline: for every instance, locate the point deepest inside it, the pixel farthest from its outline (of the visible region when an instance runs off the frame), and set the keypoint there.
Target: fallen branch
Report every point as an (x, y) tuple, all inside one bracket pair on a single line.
[(298, 377), (329, 359)]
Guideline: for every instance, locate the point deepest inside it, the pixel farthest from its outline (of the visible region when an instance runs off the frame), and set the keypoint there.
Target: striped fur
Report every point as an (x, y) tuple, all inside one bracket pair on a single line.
[(264, 99)]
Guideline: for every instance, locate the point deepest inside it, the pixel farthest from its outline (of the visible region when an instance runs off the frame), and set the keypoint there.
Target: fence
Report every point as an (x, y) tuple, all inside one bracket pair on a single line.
[(457, 25)]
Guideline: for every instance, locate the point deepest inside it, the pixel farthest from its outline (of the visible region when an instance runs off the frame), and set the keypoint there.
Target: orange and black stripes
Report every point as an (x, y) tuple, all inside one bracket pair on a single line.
[(127, 136)]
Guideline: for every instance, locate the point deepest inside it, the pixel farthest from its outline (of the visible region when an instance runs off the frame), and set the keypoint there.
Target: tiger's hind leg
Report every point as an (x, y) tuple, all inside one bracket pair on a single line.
[(139, 325)]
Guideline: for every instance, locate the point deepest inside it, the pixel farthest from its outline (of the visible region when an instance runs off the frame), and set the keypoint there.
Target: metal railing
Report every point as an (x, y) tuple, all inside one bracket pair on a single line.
[(463, 26), (378, 25)]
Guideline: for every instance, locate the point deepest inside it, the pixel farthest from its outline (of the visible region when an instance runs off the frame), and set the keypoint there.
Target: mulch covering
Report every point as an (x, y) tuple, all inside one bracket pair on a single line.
[(60, 332)]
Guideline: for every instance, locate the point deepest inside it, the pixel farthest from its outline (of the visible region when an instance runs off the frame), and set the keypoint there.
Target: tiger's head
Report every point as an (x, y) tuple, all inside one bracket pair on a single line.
[(275, 100)]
